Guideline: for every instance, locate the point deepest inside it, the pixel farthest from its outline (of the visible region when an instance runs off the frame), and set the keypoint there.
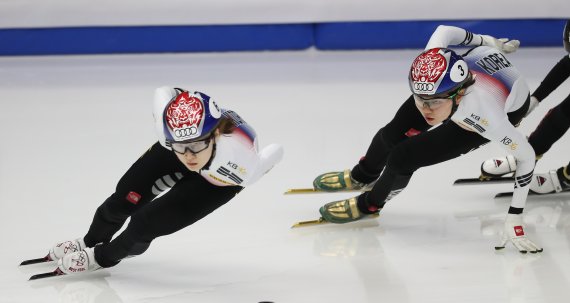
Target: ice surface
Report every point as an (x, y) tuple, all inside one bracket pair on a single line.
[(70, 126)]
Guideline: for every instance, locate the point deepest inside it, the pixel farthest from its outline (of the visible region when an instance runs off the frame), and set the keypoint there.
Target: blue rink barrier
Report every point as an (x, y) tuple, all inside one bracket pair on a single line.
[(415, 34), (155, 39), (224, 38)]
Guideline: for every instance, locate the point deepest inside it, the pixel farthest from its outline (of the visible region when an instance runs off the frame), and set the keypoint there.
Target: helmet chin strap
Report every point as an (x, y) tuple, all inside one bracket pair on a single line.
[(454, 106)]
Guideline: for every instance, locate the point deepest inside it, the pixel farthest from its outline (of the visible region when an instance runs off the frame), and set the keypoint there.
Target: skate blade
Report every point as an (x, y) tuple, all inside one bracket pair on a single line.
[(484, 180), (321, 221), (55, 273), (296, 191), (36, 261), (506, 177), (293, 191)]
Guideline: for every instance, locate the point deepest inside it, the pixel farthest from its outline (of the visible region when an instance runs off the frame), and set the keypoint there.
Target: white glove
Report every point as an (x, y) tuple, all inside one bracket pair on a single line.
[(533, 104), (504, 44), (514, 232)]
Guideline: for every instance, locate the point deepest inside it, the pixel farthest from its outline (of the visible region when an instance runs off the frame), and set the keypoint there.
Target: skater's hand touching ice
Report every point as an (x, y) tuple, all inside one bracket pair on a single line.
[(514, 232)]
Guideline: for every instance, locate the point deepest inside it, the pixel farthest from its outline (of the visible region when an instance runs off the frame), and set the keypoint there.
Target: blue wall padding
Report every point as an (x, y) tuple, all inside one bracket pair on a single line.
[(155, 39), (415, 34), (222, 38)]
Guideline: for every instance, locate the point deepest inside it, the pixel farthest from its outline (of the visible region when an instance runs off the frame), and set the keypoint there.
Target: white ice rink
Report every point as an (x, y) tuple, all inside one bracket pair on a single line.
[(70, 126)]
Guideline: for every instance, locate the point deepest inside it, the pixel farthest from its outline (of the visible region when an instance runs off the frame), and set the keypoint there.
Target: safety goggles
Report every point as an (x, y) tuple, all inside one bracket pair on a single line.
[(434, 101), (431, 104), (193, 147)]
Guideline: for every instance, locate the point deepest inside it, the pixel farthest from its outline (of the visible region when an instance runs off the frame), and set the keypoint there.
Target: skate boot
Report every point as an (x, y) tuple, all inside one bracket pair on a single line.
[(554, 181), (339, 181), (497, 167), (61, 249), (78, 262), (342, 211)]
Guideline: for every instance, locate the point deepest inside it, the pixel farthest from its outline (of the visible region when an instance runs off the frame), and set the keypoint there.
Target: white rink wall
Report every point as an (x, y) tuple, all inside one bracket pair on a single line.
[(80, 13)]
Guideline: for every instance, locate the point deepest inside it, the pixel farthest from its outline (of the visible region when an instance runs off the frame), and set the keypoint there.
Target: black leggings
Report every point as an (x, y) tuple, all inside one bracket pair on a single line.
[(397, 151), (552, 127), (190, 199)]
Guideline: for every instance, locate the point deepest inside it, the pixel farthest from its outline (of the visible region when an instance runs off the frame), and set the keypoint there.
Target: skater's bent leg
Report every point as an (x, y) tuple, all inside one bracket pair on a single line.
[(552, 127), (371, 202), (407, 123), (136, 188), (446, 142), (189, 201), (108, 219)]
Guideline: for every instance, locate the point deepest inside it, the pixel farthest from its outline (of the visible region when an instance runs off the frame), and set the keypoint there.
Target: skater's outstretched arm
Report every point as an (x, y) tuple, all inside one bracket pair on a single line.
[(445, 36)]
